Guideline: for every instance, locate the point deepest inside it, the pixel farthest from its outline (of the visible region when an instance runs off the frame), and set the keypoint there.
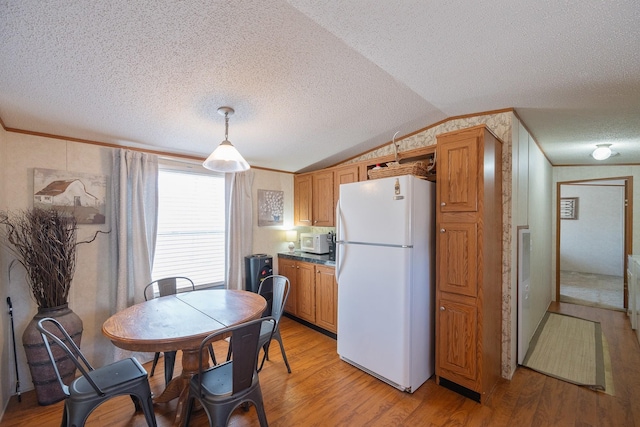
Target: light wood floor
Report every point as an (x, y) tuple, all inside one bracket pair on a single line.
[(324, 391)]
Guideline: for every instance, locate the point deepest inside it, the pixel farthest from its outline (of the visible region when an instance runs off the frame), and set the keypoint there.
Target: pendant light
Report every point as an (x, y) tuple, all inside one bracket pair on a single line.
[(226, 158)]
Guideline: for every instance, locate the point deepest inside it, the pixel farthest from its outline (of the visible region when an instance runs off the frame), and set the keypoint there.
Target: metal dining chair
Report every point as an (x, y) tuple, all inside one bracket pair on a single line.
[(160, 288), (95, 385), (223, 388), (275, 289)]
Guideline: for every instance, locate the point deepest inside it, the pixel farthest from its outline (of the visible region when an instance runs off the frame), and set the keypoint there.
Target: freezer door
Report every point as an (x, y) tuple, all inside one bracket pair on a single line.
[(376, 211), (374, 310)]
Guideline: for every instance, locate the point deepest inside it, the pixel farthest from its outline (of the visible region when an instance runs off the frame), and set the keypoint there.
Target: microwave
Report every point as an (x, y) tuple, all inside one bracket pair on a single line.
[(314, 243)]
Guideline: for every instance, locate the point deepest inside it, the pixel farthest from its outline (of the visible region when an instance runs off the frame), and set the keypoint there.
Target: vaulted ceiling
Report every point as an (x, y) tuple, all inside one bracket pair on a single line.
[(314, 83)]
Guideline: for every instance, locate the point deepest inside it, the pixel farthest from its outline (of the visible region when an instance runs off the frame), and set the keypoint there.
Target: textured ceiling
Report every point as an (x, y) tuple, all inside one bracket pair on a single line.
[(313, 82)]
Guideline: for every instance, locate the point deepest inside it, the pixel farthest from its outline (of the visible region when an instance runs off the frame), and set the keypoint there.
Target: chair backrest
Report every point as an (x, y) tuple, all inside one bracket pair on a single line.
[(275, 289), (64, 341), (243, 342), (168, 286)]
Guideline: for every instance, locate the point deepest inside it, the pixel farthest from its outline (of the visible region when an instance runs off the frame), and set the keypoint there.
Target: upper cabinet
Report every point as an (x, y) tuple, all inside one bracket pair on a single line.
[(302, 200), (313, 199), (315, 194), (322, 199), (344, 175)]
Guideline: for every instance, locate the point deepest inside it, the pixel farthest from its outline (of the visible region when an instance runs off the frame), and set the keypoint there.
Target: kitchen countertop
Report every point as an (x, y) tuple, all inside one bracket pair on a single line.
[(304, 256)]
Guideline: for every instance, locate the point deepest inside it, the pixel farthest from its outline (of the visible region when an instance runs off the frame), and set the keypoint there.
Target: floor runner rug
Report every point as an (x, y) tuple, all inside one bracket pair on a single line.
[(570, 349)]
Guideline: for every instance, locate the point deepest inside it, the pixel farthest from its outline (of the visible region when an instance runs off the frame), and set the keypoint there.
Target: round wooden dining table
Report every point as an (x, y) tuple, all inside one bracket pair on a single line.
[(181, 322)]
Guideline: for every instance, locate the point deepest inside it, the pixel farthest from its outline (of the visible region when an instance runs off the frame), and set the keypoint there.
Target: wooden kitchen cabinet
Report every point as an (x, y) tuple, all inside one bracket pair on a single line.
[(326, 298), (469, 259), (314, 292), (323, 211), (344, 175), (313, 199), (287, 268), (303, 200), (306, 291)]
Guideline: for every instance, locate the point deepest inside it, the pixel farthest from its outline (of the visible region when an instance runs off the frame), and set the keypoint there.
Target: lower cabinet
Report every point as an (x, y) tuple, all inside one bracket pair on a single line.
[(314, 292), (287, 268), (457, 340), (326, 298), (306, 291)]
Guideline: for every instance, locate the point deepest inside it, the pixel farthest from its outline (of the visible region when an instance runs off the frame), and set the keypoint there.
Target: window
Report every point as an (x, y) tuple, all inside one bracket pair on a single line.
[(191, 226)]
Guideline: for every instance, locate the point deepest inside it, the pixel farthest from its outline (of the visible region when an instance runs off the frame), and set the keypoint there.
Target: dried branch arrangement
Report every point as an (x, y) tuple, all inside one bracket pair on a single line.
[(44, 241)]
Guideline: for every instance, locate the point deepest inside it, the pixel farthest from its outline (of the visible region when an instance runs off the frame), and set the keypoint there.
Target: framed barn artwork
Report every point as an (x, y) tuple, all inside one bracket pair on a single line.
[(82, 194)]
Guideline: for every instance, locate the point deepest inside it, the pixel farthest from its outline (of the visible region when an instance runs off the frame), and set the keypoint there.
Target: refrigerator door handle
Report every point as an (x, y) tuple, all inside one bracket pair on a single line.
[(338, 239)]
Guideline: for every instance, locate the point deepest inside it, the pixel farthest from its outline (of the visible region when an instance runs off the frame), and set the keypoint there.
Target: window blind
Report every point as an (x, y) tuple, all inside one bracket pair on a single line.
[(191, 227)]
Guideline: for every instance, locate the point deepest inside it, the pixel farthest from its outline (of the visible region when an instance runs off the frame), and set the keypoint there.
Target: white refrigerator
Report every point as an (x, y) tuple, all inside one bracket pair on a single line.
[(385, 268)]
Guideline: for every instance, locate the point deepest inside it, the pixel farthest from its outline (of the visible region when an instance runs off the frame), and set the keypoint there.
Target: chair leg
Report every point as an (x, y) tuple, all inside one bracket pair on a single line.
[(136, 402), (265, 351), (169, 363), (155, 362), (147, 408), (187, 417), (213, 355), (284, 355)]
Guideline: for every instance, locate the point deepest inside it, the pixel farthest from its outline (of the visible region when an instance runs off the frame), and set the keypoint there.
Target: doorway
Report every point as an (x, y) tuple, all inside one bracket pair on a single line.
[(593, 240)]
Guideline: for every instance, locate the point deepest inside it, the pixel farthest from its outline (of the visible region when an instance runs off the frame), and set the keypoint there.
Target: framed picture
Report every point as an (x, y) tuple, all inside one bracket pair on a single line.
[(83, 195), (569, 208), (270, 207)]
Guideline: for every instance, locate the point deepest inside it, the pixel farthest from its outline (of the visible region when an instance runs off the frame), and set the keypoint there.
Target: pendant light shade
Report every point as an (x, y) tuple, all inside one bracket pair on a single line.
[(226, 158)]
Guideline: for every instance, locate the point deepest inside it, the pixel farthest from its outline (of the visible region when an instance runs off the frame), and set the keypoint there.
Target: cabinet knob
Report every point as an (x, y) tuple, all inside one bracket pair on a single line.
[(442, 230), (443, 203), (441, 308)]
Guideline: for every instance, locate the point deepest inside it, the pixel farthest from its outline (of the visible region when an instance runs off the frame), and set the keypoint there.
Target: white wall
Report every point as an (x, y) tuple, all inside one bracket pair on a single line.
[(270, 240), (541, 219), (7, 385), (532, 208), (593, 243)]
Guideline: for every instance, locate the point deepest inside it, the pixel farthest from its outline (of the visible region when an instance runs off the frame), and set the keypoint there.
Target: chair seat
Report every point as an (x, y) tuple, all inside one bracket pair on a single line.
[(218, 385), (117, 375)]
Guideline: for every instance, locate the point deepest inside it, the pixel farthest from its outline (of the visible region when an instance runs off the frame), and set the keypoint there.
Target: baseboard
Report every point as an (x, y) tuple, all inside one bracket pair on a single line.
[(312, 326)]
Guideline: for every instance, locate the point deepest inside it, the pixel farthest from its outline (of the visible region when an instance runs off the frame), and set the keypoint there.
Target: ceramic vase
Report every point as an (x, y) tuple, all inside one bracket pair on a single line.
[(48, 389)]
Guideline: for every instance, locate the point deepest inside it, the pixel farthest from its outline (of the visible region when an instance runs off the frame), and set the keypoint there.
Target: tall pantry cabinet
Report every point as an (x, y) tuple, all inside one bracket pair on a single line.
[(469, 260)]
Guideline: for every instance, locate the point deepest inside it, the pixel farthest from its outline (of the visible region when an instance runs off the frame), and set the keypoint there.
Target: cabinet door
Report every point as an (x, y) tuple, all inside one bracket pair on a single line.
[(343, 175), (456, 341), (302, 200), (306, 291), (458, 258), (326, 298), (458, 174), (287, 268), (322, 192)]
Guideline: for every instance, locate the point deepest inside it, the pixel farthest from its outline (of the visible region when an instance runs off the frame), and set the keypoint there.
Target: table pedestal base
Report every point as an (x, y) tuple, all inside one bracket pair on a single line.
[(179, 386)]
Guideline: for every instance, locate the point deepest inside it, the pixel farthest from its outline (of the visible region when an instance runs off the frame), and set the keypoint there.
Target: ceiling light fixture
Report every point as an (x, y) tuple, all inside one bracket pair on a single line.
[(602, 152), (226, 158)]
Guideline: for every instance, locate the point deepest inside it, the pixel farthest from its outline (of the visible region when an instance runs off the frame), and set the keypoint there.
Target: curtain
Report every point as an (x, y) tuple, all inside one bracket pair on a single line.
[(239, 239), (134, 210)]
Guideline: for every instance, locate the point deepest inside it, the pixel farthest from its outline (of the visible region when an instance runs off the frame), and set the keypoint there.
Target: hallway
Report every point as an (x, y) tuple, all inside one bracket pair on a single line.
[(594, 290)]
